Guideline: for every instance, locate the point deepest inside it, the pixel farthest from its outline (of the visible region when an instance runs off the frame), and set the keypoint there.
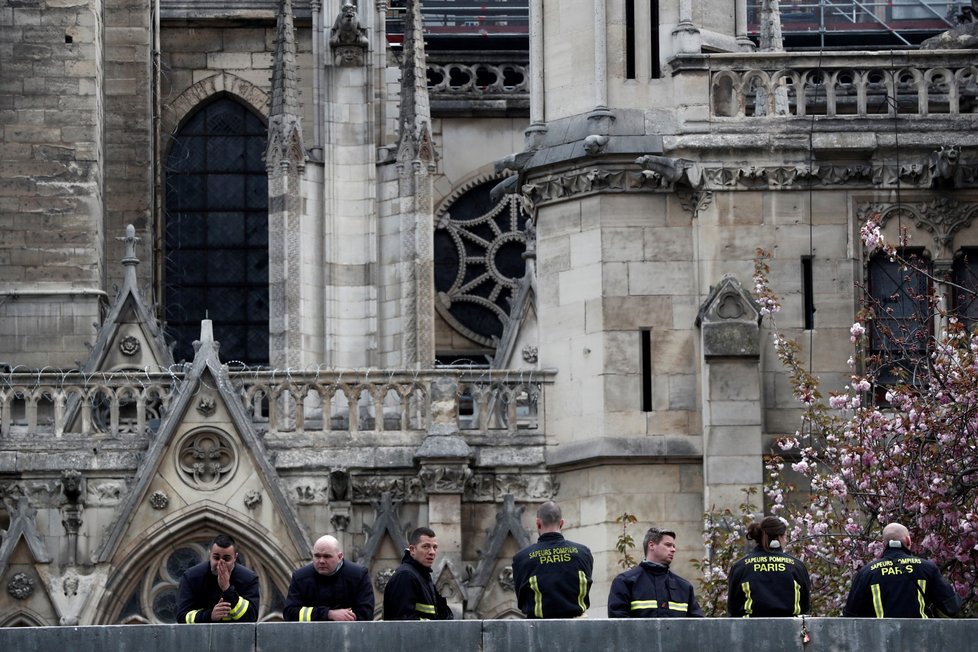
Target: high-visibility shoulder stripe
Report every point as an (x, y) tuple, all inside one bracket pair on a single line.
[(238, 610), (191, 616), (305, 615), (537, 597), (748, 600), (421, 607), (582, 590), (874, 589), (922, 585), (679, 606), (643, 604), (797, 610)]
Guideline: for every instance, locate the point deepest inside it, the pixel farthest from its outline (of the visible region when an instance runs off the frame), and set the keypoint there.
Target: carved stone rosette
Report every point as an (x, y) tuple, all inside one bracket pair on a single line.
[(20, 586)]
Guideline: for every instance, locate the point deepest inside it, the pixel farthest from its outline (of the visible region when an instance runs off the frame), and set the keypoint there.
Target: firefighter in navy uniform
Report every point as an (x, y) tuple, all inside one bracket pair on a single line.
[(553, 576), (651, 590), (900, 584), (768, 582), (330, 588), (219, 589), (411, 593)]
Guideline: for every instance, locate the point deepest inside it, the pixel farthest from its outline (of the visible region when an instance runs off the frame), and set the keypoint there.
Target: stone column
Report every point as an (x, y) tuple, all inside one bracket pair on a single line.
[(444, 457), (600, 118), (729, 324), (534, 134), (686, 36), (71, 487)]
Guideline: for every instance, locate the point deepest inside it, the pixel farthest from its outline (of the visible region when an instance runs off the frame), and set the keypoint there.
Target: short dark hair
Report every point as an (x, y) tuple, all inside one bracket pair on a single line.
[(549, 513), (223, 541), (655, 535), (420, 532)]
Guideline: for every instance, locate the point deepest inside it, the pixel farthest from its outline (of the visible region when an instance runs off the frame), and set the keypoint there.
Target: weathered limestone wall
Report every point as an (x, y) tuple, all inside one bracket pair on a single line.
[(52, 176), (129, 129), (665, 495)]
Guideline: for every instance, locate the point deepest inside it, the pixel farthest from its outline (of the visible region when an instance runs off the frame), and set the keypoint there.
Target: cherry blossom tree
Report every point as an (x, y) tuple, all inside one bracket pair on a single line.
[(898, 443)]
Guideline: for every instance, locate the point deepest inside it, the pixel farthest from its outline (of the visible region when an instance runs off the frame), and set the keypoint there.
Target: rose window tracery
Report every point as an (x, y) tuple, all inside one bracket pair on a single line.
[(479, 246)]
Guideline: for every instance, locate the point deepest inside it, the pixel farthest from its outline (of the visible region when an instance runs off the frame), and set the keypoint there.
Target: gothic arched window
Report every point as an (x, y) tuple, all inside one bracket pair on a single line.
[(217, 233)]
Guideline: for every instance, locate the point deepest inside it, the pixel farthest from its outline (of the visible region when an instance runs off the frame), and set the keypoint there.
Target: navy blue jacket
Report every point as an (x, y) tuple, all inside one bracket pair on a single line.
[(199, 593), (552, 577), (900, 585), (312, 596), (652, 591), (768, 583), (411, 594)]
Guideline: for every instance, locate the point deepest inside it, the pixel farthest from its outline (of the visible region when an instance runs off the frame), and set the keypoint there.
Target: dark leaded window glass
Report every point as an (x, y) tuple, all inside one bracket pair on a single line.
[(899, 334), (217, 233), (479, 247), (965, 289)]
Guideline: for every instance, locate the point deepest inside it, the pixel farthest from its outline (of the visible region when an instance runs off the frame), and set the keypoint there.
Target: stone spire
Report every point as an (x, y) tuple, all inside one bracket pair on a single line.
[(285, 144), (415, 164), (414, 119)]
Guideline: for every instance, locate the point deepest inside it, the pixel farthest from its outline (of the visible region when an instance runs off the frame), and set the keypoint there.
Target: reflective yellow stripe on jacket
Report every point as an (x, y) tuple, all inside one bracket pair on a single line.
[(305, 615), (679, 606), (238, 610), (537, 597), (922, 586), (643, 604), (874, 589), (191, 616), (423, 608), (797, 610), (748, 600), (582, 590)]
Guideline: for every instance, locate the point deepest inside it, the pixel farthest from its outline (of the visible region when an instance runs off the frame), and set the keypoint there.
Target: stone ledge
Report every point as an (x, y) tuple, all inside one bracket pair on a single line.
[(629, 450), (837, 634)]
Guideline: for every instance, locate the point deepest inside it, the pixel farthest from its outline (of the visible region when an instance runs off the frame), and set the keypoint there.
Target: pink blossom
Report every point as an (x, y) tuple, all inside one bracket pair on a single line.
[(857, 330)]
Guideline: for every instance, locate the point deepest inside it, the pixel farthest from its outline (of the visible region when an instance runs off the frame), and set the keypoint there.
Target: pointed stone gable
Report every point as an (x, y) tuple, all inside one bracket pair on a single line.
[(130, 337), (206, 461), (22, 526), (387, 522), (508, 523), (730, 321)]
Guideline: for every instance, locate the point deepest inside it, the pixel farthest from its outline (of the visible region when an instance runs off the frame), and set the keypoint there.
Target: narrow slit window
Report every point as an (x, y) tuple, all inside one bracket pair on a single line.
[(654, 68), (807, 293), (646, 353), (630, 39)]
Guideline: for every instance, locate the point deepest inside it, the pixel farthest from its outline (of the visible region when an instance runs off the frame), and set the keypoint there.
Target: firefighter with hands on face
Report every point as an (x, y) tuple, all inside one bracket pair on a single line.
[(899, 584), (330, 588), (219, 589), (411, 594), (552, 577), (651, 590), (768, 582)]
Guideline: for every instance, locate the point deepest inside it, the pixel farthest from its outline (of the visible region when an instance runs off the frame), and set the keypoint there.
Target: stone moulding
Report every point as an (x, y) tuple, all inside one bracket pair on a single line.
[(570, 184)]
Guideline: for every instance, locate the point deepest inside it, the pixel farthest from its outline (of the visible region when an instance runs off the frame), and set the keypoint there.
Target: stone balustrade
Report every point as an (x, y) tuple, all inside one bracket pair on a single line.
[(134, 403), (860, 84)]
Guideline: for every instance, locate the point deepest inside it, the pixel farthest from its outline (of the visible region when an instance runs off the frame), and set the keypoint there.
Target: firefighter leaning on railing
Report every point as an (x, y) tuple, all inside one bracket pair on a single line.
[(219, 589)]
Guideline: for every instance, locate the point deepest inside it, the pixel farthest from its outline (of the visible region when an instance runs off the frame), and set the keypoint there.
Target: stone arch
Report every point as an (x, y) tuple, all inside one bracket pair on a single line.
[(223, 83), (202, 519), (24, 618)]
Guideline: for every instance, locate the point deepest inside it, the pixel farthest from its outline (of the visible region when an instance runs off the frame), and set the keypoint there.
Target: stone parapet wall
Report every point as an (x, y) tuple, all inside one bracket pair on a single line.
[(839, 635)]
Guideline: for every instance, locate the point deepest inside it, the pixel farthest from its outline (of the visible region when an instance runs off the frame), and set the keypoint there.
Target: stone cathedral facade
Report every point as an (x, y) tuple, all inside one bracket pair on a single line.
[(268, 268)]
